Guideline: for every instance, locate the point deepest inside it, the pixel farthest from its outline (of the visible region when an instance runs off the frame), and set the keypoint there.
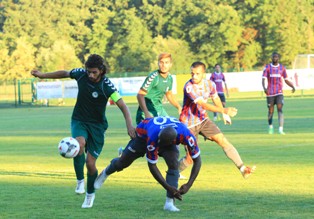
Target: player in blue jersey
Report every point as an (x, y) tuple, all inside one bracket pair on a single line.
[(274, 73), (159, 136), (89, 122)]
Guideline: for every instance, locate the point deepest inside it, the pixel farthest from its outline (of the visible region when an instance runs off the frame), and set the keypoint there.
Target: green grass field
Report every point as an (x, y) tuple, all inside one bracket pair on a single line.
[(36, 182)]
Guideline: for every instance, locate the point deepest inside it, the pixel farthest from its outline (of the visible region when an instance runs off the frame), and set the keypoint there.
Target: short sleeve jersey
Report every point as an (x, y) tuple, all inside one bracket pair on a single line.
[(193, 114), (218, 78), (149, 129), (156, 87), (274, 75), (92, 98)]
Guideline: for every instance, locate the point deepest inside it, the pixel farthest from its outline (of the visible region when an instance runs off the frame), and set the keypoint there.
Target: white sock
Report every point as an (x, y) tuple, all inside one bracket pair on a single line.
[(280, 128), (169, 200)]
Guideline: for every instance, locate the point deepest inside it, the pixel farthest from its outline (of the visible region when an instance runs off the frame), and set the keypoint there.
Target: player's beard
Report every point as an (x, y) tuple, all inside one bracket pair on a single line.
[(95, 80)]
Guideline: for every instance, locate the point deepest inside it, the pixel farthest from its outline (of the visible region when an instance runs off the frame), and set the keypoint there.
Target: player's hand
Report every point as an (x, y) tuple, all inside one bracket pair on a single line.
[(265, 91), (230, 111), (184, 189), (293, 89), (148, 115), (132, 132), (176, 193), (36, 73), (227, 119)]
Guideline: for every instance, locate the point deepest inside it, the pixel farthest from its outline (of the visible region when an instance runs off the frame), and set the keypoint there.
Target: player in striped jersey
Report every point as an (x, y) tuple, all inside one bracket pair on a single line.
[(274, 73), (197, 91), (156, 85), (159, 136), (220, 81)]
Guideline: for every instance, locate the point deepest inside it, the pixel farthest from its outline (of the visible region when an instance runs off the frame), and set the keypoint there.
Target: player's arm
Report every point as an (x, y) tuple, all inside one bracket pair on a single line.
[(230, 111), (126, 113), (264, 85), (161, 180), (194, 173), (173, 101), (290, 84), (141, 101), (51, 75), (227, 91)]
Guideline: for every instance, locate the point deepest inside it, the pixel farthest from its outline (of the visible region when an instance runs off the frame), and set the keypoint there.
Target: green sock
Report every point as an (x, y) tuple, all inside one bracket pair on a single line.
[(79, 162), (90, 182)]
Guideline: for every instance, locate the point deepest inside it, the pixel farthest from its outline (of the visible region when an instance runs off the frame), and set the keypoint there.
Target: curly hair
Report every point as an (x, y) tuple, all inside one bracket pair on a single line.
[(96, 61)]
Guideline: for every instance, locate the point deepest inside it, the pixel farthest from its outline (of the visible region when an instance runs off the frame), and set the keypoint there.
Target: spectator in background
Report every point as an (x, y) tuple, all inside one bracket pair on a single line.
[(273, 73), (219, 79)]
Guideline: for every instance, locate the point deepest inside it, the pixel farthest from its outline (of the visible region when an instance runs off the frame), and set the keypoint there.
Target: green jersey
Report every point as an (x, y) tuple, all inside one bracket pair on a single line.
[(156, 87), (92, 98)]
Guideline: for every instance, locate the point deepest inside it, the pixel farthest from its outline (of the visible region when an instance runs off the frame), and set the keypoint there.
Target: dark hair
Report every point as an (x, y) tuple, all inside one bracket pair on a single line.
[(216, 65), (197, 64), (96, 61), (275, 53), (167, 136)]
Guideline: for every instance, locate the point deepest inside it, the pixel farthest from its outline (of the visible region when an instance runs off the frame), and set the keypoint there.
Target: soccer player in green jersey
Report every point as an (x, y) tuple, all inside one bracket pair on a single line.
[(89, 122), (156, 85)]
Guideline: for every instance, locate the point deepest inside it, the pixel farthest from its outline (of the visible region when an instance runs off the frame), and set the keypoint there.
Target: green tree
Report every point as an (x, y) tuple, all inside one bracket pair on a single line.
[(21, 61), (130, 47)]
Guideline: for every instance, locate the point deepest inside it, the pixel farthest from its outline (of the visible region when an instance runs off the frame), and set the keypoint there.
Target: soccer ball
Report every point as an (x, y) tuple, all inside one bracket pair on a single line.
[(68, 147)]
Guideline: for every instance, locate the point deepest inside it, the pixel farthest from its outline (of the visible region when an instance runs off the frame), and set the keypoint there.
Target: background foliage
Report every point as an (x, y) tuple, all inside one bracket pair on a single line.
[(239, 34)]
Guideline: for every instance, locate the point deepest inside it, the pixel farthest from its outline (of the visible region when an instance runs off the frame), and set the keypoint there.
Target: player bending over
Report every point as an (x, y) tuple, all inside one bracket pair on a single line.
[(159, 136)]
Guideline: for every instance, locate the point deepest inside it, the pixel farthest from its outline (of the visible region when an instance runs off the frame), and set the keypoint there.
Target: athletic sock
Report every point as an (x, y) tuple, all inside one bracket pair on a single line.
[(172, 179), (233, 155), (112, 167), (90, 182), (79, 162)]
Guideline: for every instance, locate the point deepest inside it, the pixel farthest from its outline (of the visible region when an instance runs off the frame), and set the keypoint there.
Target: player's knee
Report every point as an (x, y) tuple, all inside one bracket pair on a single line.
[(220, 139), (120, 163), (118, 166)]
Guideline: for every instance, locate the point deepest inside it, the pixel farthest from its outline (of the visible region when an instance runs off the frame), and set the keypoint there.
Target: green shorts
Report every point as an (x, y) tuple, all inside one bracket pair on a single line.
[(93, 133), (153, 109)]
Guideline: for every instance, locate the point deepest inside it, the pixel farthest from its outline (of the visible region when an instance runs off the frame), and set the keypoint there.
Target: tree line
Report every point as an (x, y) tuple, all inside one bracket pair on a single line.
[(129, 34)]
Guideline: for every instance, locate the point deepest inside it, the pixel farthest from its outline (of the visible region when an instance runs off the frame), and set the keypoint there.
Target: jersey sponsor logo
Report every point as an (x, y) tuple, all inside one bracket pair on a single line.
[(150, 147), (95, 94)]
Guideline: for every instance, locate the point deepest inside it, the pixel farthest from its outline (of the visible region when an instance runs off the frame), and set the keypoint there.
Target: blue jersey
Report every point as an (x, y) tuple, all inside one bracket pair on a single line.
[(149, 129)]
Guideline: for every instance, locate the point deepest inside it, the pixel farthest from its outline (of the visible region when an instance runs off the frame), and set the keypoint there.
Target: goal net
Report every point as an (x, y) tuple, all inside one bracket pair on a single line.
[(303, 61), (302, 74)]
